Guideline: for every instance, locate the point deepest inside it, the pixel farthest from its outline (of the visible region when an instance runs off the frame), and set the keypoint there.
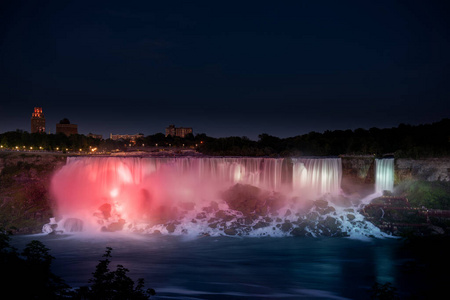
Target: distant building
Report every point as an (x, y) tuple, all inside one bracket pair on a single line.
[(65, 127), (37, 121), (95, 136), (131, 137), (178, 131)]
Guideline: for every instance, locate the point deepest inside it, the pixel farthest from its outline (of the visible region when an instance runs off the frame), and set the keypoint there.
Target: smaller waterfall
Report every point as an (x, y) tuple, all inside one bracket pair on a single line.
[(384, 176)]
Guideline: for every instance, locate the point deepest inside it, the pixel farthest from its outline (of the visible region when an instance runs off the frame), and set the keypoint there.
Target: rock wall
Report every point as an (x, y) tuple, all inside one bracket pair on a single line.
[(431, 169), (358, 169), (38, 159), (361, 169), (25, 204)]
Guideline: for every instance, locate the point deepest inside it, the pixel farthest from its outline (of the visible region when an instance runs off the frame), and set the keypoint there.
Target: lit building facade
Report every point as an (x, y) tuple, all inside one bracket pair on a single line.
[(178, 131), (95, 136), (65, 127), (37, 121)]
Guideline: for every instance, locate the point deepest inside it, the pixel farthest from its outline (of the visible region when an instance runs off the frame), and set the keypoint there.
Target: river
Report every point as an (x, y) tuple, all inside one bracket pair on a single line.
[(184, 267)]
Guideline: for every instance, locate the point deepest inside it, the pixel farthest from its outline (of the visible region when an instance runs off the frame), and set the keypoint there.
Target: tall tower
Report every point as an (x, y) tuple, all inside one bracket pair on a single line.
[(37, 121)]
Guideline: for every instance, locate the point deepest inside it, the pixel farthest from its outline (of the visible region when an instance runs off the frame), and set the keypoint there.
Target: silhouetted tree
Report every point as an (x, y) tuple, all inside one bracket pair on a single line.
[(28, 274), (113, 285)]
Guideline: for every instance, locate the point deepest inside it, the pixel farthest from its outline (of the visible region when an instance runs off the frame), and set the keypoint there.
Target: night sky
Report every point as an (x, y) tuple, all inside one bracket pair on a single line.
[(225, 68)]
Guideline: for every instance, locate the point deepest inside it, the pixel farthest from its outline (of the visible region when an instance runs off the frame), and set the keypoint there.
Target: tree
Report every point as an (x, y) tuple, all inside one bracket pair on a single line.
[(113, 285), (28, 274)]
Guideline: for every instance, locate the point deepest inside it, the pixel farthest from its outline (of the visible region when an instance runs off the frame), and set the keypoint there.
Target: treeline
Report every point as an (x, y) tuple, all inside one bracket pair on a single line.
[(414, 141), (428, 140), (23, 140)]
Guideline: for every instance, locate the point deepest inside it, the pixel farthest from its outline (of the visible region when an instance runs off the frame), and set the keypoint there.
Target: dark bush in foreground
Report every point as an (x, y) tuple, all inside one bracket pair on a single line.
[(28, 275), (113, 285)]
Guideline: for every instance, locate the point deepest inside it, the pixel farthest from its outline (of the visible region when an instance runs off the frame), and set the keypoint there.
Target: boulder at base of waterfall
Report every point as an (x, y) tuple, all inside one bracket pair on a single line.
[(251, 200)]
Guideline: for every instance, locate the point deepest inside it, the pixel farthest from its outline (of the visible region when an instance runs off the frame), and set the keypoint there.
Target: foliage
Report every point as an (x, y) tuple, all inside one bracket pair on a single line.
[(426, 140), (24, 201), (429, 140), (430, 194), (29, 276), (113, 285), (384, 291), (29, 273)]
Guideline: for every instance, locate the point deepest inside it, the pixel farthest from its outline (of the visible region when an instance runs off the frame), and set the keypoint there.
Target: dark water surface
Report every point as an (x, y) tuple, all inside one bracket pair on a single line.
[(179, 267)]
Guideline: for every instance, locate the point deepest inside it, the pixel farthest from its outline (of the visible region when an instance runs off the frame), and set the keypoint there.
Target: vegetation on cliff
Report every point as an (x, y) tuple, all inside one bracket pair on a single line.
[(432, 195), (24, 190)]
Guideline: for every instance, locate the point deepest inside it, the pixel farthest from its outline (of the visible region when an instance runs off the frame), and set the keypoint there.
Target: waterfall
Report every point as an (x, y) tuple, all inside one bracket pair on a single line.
[(317, 176), (384, 176), (149, 194)]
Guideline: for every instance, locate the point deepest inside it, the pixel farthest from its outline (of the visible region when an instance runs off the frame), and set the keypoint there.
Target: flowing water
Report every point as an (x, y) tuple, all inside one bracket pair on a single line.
[(384, 178), (225, 228), (198, 196), (181, 267)]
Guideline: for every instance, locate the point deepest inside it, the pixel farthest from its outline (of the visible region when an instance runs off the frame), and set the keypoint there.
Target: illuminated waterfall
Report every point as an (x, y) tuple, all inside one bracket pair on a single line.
[(384, 176), (317, 176), (113, 192)]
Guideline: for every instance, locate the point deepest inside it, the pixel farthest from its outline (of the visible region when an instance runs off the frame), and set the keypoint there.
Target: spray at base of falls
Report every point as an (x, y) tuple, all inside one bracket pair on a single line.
[(213, 196)]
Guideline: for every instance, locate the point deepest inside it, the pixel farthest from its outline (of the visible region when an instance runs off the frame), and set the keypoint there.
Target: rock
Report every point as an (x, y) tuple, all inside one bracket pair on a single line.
[(300, 231), (201, 215), (223, 215), (171, 227), (322, 207), (116, 226), (230, 231), (350, 217), (213, 225), (286, 226), (242, 197), (105, 210), (321, 204), (261, 224), (250, 200)]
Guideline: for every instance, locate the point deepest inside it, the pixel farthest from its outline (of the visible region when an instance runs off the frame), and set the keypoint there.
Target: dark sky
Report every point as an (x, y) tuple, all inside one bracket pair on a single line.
[(225, 68)]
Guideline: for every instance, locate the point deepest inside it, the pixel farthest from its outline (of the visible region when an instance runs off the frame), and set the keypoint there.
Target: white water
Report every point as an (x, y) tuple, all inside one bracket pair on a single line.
[(182, 195), (384, 176)]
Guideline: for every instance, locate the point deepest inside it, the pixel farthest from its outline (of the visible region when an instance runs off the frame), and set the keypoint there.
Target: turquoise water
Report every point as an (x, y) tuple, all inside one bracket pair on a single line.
[(181, 267)]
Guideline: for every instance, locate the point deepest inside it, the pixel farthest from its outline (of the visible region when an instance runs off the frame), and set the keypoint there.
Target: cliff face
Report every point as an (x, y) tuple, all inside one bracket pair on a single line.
[(431, 169), (24, 189), (361, 170)]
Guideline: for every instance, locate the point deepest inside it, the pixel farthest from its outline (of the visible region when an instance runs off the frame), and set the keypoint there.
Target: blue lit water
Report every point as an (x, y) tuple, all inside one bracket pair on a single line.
[(180, 267)]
